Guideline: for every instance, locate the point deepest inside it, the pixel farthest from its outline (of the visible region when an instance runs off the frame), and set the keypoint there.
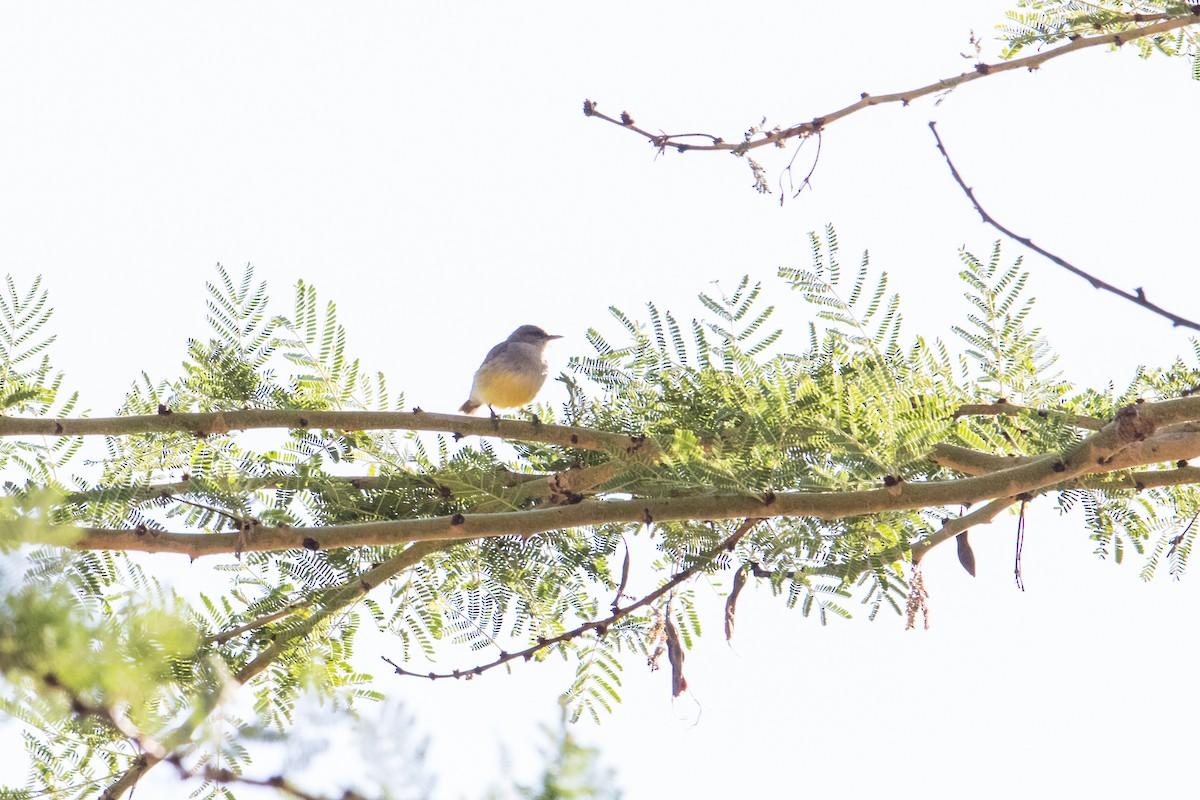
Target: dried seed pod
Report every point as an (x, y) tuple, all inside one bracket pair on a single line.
[(739, 581), (966, 556)]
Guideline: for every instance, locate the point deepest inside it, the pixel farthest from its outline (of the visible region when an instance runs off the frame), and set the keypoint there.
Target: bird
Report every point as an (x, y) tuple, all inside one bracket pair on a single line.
[(512, 373)]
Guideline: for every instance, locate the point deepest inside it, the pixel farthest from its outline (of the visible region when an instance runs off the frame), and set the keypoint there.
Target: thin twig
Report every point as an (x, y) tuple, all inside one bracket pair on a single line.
[(662, 141), (807, 182), (521, 487), (109, 716), (189, 485), (600, 626), (1137, 296), (1178, 540), (241, 522), (278, 782), (1005, 408), (266, 619)]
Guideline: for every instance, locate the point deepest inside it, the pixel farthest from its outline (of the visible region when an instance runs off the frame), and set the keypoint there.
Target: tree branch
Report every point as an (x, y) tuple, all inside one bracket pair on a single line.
[(111, 717), (278, 782), (568, 486), (1137, 296), (339, 598), (1177, 443), (661, 141), (564, 487), (203, 425), (972, 462), (265, 619), (335, 600), (1130, 440), (559, 487), (953, 527), (600, 626), (1005, 408)]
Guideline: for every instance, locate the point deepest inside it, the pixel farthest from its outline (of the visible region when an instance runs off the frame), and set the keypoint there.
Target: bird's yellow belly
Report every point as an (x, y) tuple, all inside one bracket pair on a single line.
[(506, 390)]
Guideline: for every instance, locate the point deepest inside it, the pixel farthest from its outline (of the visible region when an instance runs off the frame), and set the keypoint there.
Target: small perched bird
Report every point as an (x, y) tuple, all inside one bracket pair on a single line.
[(512, 373)]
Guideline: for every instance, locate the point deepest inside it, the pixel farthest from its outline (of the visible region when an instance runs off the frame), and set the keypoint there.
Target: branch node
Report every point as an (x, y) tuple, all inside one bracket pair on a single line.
[(1133, 426)]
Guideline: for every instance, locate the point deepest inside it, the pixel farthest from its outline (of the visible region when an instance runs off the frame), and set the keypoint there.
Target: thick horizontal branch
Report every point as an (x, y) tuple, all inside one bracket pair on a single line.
[(817, 124), (831, 505), (1137, 296), (211, 424), (1133, 431)]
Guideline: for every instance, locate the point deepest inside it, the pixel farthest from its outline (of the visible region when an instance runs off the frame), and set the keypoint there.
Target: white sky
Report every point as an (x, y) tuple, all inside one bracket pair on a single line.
[(428, 167)]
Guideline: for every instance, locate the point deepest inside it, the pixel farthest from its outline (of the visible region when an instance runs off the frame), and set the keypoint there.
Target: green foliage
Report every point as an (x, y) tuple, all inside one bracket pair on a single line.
[(1049, 21), (735, 405), (87, 640), (30, 386), (571, 771)]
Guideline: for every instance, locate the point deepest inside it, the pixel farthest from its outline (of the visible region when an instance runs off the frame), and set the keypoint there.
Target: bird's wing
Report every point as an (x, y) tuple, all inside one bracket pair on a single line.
[(495, 352)]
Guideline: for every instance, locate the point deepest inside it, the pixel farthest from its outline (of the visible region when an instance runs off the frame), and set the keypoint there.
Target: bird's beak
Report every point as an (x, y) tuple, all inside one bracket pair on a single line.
[(550, 336)]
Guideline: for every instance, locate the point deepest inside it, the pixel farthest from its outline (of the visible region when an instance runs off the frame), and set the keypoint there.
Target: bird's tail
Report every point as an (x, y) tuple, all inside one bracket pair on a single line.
[(469, 407)]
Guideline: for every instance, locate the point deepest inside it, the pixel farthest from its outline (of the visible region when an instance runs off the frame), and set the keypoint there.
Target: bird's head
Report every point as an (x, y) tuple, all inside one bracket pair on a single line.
[(532, 334)]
